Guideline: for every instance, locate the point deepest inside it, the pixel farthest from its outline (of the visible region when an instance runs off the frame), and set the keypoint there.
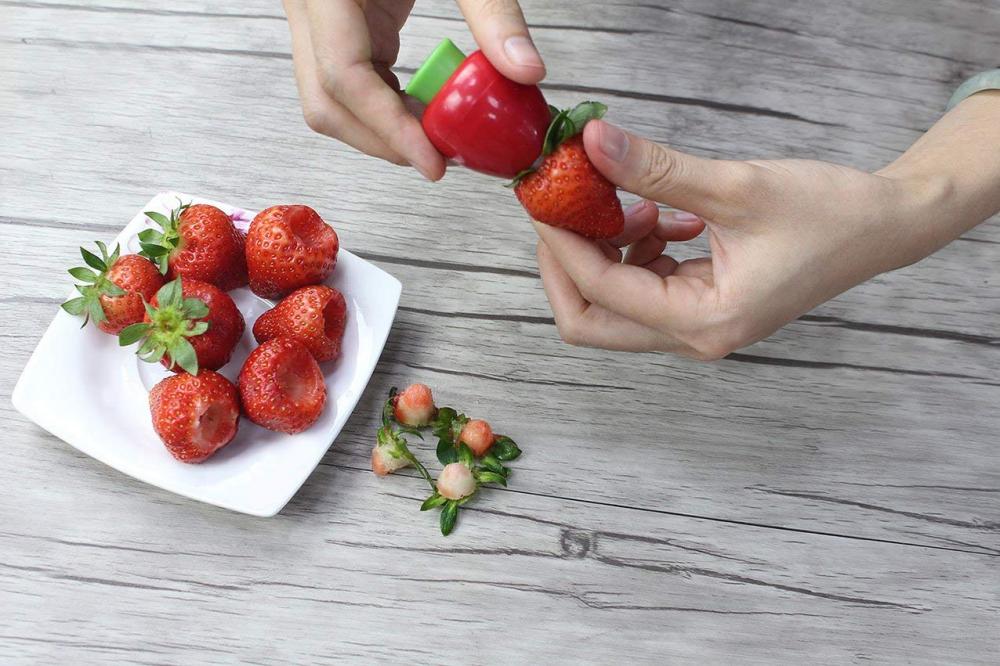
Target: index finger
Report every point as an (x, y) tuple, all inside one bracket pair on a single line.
[(342, 46)]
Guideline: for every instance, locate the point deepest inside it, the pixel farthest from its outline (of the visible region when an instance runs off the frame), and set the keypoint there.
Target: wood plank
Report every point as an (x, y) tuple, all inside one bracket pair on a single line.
[(352, 570)]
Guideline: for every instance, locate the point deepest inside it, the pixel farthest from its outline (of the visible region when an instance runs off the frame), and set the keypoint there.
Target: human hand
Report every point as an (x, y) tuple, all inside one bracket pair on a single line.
[(784, 235), (343, 52)]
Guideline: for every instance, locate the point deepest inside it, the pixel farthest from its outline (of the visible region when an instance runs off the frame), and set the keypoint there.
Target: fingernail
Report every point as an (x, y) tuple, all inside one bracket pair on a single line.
[(636, 207), (614, 142), (521, 52), (683, 216)]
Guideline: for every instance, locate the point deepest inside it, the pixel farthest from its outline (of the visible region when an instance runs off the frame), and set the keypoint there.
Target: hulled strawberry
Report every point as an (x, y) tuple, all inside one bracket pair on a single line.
[(315, 316), (189, 324), (414, 406), (288, 247), (282, 386), (478, 435), (195, 415), (113, 288), (565, 190), (198, 242)]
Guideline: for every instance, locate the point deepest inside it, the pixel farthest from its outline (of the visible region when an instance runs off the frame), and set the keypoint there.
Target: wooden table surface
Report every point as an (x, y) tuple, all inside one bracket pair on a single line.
[(831, 494)]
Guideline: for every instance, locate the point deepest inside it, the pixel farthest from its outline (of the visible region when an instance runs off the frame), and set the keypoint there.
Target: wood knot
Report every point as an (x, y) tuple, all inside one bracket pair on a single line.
[(575, 543)]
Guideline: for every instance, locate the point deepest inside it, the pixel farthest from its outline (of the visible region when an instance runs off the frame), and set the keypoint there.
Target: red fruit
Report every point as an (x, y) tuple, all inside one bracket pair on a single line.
[(568, 192), (198, 242), (195, 415), (315, 316), (456, 481), (113, 293), (478, 435), (189, 325), (288, 247), (282, 386), (414, 406)]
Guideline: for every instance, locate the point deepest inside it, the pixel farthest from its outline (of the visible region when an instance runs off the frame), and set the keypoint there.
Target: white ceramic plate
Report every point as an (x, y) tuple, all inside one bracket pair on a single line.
[(85, 389)]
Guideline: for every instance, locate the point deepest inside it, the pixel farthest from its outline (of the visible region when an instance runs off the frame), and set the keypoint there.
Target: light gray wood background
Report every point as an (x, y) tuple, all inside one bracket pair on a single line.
[(829, 495)]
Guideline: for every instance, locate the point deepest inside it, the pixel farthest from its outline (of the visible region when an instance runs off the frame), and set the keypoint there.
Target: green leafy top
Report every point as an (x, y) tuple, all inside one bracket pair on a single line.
[(95, 283), (158, 245), (447, 427), (172, 322), (565, 124)]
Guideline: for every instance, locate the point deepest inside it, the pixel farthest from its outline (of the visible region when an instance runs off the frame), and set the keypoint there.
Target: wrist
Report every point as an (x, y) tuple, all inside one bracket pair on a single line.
[(949, 181)]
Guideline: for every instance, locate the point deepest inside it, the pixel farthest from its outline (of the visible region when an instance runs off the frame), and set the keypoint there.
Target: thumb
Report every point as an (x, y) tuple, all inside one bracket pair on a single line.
[(502, 34), (709, 188)]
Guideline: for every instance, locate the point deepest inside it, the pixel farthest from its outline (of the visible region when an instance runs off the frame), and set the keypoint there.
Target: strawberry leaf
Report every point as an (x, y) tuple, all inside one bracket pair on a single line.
[(486, 476), (84, 274), (505, 449), (446, 453), (433, 501), (159, 218), (465, 455), (111, 289), (75, 306), (93, 260), (195, 308), (132, 334), (449, 514), (183, 354)]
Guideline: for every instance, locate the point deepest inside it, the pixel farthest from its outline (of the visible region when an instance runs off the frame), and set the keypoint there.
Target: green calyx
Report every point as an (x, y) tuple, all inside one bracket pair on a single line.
[(157, 245), (565, 124), (447, 427), (171, 323), (94, 284)]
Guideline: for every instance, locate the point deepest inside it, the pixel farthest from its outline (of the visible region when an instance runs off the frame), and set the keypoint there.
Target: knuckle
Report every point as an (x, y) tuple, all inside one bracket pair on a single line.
[(314, 118), (658, 171), (331, 79), (570, 333)]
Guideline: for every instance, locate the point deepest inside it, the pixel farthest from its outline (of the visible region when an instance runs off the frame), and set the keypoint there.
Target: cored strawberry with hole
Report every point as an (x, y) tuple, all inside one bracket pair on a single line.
[(315, 316), (288, 247), (282, 387), (195, 415)]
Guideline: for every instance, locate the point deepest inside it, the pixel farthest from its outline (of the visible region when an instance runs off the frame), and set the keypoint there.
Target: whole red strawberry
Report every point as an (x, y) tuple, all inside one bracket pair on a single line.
[(288, 247), (195, 415), (566, 190), (315, 316), (197, 242), (282, 387), (113, 289), (189, 325)]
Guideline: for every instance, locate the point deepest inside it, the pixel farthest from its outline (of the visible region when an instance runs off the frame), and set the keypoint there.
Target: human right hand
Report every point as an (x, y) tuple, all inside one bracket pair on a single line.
[(784, 235), (344, 50)]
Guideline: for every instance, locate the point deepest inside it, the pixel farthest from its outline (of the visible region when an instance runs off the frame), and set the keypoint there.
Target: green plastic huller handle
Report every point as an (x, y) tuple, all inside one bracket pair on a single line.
[(436, 70)]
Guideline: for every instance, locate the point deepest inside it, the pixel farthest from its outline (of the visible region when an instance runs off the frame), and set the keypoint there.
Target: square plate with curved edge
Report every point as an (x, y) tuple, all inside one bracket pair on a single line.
[(86, 390)]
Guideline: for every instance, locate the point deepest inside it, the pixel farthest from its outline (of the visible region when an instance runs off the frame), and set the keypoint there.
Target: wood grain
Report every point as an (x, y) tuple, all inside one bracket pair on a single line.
[(831, 494)]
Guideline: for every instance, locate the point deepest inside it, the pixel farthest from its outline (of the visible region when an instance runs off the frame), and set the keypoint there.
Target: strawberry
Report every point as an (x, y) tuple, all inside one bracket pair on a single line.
[(282, 386), (315, 316), (112, 294), (566, 190), (197, 242), (414, 406), (478, 435), (195, 415), (456, 481), (188, 325), (288, 247)]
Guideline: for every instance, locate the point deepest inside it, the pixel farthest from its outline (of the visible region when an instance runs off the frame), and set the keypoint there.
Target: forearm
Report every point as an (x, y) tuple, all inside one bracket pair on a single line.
[(953, 171)]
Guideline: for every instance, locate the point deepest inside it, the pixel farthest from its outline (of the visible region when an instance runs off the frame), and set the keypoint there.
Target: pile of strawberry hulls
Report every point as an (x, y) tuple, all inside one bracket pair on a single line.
[(471, 453), (563, 188), (172, 300)]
